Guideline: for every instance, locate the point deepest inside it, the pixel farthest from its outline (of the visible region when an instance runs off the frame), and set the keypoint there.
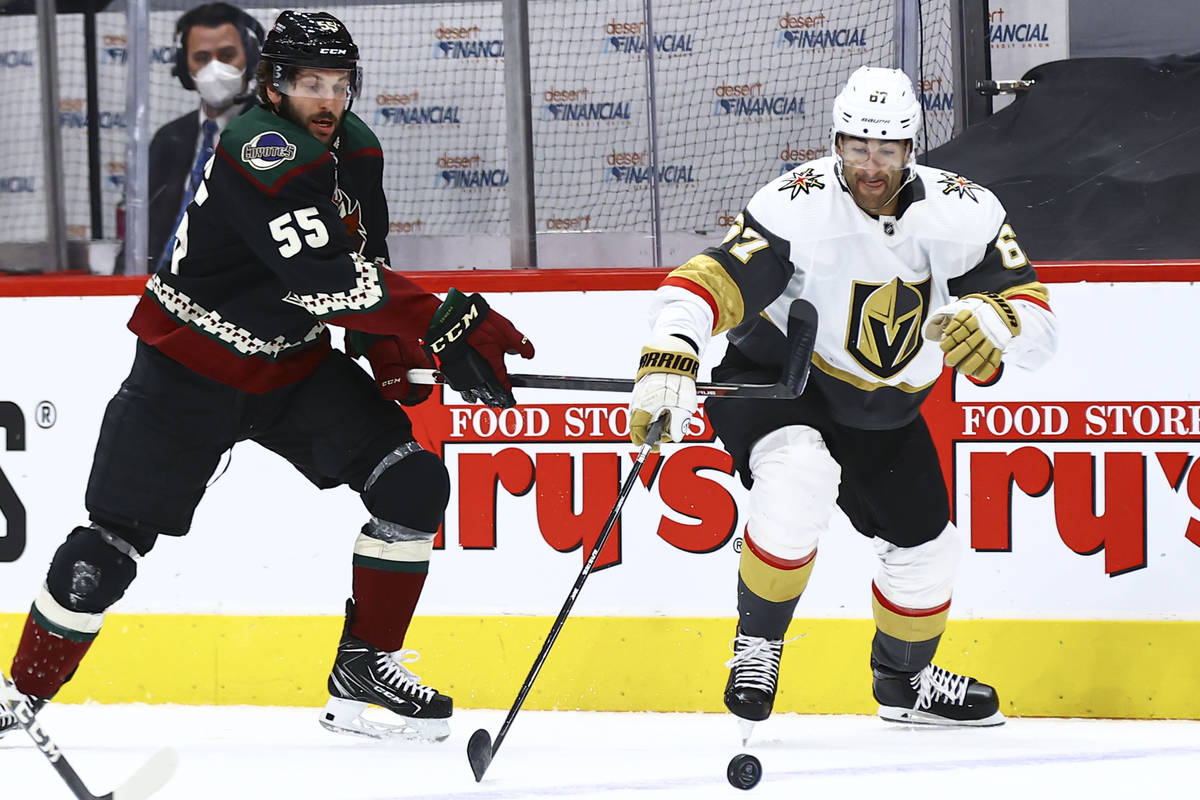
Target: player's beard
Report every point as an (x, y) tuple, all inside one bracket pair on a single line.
[(872, 200), (292, 114)]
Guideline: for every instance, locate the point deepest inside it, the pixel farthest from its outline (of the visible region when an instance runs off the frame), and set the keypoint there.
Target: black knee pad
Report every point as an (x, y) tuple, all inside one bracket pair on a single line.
[(412, 492), (91, 570)]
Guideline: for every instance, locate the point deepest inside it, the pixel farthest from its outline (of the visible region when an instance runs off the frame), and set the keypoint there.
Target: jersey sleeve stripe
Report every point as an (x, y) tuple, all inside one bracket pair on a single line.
[(1028, 298), (705, 276), (1034, 289), (694, 288), (361, 153), (368, 293), (283, 179)]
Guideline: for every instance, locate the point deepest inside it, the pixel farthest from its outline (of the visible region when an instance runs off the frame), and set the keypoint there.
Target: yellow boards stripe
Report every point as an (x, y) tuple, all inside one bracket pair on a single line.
[(1061, 668)]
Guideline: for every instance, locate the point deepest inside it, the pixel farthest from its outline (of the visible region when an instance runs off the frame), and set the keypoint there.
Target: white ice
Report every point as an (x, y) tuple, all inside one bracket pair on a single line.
[(250, 753)]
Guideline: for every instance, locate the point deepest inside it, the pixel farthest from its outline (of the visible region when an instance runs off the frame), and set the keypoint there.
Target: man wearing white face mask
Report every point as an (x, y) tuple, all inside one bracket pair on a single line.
[(217, 54)]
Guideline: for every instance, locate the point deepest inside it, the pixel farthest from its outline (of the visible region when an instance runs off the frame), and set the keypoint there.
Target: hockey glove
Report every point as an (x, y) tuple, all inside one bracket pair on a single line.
[(469, 341), (391, 358), (666, 382), (973, 332)]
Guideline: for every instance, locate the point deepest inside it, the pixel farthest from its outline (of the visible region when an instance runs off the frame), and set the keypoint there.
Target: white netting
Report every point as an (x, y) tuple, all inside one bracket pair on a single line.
[(741, 93)]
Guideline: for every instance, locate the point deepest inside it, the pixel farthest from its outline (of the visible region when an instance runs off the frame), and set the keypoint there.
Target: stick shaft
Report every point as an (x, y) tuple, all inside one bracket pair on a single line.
[(765, 391), (653, 436)]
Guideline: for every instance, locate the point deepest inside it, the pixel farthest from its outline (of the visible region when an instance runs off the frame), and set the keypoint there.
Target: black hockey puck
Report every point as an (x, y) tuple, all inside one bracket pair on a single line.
[(744, 771)]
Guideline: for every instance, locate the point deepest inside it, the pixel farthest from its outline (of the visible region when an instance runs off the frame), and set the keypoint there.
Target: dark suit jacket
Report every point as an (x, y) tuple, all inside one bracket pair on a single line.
[(172, 151)]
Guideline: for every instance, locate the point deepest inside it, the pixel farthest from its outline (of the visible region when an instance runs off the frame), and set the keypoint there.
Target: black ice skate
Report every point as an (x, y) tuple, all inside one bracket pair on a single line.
[(363, 675), (935, 696), (753, 678)]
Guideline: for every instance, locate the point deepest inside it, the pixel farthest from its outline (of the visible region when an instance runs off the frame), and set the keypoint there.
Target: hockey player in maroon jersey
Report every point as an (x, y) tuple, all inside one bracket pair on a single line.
[(885, 249), (285, 235)]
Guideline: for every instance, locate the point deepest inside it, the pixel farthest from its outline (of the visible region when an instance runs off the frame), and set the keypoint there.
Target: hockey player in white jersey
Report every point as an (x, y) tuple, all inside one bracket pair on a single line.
[(910, 268)]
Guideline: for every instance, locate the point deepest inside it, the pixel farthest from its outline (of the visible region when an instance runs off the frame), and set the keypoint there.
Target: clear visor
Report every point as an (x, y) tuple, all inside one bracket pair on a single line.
[(874, 153), (319, 84)]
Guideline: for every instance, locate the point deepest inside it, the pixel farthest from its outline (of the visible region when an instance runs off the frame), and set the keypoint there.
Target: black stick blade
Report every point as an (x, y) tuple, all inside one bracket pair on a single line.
[(801, 339), (479, 752)]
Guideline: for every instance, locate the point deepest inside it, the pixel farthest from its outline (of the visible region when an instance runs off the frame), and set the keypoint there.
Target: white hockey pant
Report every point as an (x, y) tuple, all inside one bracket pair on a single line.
[(919, 577), (794, 493)]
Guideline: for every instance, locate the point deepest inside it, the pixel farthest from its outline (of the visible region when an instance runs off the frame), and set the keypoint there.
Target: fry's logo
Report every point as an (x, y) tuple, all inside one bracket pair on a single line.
[(544, 451), (1068, 460), (1115, 457)]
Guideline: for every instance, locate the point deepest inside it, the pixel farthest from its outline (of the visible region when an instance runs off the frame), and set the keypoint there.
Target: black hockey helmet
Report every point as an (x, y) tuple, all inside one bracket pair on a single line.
[(314, 39)]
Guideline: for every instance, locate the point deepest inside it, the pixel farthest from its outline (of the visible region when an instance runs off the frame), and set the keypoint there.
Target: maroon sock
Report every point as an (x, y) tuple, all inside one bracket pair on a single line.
[(46, 660), (384, 602)]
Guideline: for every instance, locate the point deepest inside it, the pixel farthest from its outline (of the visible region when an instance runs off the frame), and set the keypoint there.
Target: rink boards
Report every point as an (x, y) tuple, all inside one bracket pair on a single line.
[(1074, 490)]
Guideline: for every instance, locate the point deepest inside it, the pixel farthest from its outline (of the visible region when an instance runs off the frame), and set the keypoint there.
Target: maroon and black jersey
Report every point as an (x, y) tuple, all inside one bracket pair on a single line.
[(284, 236)]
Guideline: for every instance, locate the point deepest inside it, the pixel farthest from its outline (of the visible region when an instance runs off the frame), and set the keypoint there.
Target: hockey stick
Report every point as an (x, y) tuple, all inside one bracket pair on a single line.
[(480, 748), (146, 781), (767, 391), (801, 336)]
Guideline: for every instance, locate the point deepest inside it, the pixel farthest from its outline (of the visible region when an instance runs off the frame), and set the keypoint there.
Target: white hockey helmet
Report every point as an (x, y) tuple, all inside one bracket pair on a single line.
[(877, 103)]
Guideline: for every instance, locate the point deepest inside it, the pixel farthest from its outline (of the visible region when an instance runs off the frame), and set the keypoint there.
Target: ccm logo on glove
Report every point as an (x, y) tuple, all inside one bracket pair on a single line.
[(456, 329), (470, 341)]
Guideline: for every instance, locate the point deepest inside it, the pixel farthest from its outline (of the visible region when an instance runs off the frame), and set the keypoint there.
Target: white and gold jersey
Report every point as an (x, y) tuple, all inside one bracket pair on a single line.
[(873, 279)]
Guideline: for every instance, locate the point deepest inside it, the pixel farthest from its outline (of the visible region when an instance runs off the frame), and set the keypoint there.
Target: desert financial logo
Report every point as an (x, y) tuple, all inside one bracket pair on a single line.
[(16, 184), (751, 100), (634, 168), (72, 114), (467, 172), (572, 105), (16, 58), (1023, 34), (465, 42), (113, 51), (792, 157), (934, 96), (630, 37), (812, 33), (405, 109)]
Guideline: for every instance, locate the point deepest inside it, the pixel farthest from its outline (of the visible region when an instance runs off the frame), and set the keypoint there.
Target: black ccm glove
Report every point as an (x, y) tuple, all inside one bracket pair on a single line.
[(469, 341)]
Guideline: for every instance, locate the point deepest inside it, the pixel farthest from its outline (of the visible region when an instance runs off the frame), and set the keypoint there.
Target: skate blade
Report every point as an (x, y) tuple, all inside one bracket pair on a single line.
[(746, 728), (911, 716), (346, 717)]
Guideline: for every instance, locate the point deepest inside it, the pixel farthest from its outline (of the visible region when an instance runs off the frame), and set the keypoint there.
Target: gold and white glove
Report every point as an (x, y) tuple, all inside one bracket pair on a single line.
[(665, 383), (973, 332)]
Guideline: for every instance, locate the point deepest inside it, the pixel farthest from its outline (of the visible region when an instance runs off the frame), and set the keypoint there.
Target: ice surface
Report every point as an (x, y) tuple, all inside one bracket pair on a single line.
[(252, 753)]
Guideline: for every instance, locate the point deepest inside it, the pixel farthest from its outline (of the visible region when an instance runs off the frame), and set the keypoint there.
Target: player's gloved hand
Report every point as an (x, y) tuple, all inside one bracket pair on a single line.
[(469, 341), (391, 358), (666, 382), (973, 332)]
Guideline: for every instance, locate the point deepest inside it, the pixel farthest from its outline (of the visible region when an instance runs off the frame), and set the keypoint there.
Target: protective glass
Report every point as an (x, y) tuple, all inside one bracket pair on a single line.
[(882, 154), (320, 84)]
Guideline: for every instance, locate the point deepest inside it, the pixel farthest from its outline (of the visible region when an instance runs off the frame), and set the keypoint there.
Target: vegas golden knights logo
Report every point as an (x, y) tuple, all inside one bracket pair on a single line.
[(885, 324)]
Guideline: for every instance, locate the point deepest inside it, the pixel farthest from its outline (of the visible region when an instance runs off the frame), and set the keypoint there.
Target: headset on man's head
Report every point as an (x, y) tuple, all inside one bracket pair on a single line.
[(247, 26)]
